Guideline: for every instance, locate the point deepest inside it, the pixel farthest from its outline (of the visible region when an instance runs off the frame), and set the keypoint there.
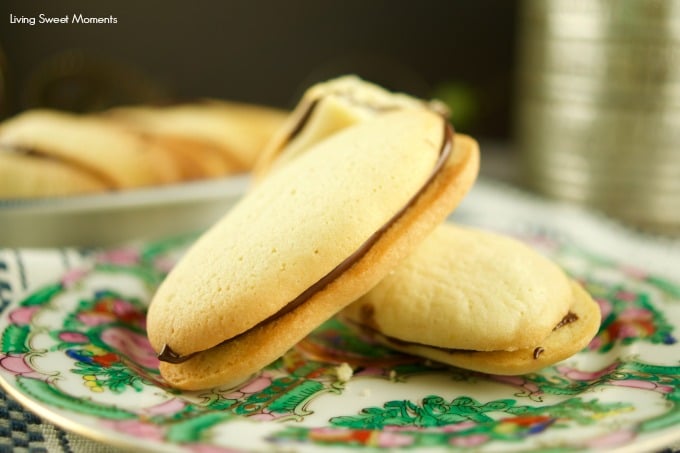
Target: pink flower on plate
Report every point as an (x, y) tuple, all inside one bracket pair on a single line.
[(133, 345), (605, 307), (634, 272), (578, 375), (609, 440), (640, 384), (595, 344), (627, 331), (127, 312), (122, 308), (164, 263), (73, 337), (460, 426), (91, 318), (124, 256), (635, 313), (16, 364), (136, 428), (71, 277), (169, 407), (469, 441), (256, 384), (387, 439), (628, 296), (22, 316), (264, 416)]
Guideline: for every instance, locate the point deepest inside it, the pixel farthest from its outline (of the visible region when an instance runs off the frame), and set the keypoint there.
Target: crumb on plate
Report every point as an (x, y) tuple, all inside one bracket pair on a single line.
[(344, 372)]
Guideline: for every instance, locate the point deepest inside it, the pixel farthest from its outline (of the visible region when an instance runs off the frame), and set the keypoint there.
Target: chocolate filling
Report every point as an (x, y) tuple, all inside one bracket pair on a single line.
[(567, 319), (313, 104), (304, 119), (170, 356)]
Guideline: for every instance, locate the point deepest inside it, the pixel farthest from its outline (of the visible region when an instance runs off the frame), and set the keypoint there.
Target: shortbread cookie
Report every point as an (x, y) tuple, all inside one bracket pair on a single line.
[(26, 175), (238, 131), (481, 301), (328, 107), (308, 240), (116, 157)]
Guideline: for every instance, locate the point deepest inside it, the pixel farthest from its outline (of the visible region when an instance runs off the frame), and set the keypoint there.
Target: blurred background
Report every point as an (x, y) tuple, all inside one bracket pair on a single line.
[(578, 100), (262, 51)]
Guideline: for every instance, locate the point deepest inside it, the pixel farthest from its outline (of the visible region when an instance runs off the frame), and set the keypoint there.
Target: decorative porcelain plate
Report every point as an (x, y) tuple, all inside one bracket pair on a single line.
[(74, 351)]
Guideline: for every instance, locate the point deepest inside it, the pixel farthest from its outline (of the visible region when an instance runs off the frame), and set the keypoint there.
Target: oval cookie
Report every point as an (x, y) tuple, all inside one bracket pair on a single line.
[(304, 243), (478, 300), (116, 157)]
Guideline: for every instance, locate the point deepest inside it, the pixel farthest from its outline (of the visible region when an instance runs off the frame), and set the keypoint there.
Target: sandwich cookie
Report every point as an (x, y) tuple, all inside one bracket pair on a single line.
[(328, 107), (308, 240), (25, 175), (480, 301), (110, 155), (221, 136)]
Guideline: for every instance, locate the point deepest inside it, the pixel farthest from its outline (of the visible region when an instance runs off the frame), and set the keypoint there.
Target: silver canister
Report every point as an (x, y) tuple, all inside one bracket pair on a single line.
[(598, 107)]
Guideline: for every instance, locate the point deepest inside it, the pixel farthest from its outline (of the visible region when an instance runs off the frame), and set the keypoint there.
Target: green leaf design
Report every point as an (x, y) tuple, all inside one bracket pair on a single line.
[(665, 285), (653, 372), (191, 430), (154, 249), (148, 275), (436, 411), (42, 391), (296, 396), (42, 296), (15, 339)]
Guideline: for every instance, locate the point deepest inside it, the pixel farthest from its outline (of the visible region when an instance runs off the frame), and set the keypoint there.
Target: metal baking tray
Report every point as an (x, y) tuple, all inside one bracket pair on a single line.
[(118, 217)]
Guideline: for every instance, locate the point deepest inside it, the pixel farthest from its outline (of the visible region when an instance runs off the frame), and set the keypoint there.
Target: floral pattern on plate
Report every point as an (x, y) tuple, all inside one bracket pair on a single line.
[(75, 351)]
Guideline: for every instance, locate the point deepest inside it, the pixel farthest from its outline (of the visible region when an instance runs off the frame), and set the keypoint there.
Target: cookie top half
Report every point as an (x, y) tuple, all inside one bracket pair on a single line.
[(301, 223), (328, 107)]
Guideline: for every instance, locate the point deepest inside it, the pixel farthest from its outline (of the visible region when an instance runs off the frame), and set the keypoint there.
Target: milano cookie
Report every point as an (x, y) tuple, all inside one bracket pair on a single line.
[(307, 241), (480, 301), (26, 175), (231, 135), (109, 155)]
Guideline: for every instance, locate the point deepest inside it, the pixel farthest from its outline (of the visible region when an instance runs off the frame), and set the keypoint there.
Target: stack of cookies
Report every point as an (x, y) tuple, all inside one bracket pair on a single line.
[(346, 217), (48, 153)]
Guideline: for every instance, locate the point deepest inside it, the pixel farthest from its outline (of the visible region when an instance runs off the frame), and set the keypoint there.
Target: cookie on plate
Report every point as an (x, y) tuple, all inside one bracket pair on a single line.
[(481, 301), (308, 240)]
